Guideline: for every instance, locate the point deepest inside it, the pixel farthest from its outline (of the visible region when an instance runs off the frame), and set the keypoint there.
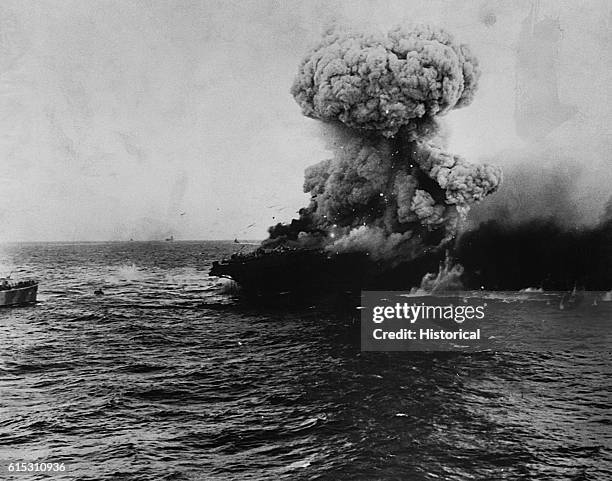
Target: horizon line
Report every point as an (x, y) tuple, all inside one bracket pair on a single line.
[(121, 241)]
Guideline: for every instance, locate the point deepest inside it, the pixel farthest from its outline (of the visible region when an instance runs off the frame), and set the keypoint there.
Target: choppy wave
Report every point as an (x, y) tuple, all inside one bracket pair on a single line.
[(164, 377)]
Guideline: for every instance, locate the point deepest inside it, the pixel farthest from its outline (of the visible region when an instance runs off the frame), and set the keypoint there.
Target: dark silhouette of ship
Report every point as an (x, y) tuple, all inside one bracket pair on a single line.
[(314, 271)]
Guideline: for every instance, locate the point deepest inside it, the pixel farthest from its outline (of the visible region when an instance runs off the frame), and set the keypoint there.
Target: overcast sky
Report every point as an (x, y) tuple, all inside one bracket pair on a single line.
[(141, 119)]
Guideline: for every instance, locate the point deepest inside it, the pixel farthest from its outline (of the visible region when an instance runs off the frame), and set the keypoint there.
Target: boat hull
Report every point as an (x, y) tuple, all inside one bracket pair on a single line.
[(20, 296), (309, 272)]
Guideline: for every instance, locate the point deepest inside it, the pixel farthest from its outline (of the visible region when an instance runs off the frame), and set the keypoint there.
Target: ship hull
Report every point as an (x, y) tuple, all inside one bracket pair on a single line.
[(313, 272), (19, 296)]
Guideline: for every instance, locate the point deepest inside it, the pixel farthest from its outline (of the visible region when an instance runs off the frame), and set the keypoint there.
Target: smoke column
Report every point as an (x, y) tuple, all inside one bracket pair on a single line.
[(390, 190)]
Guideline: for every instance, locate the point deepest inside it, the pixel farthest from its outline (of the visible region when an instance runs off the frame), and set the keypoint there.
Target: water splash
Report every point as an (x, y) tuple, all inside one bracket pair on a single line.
[(532, 289), (448, 278), (129, 273)]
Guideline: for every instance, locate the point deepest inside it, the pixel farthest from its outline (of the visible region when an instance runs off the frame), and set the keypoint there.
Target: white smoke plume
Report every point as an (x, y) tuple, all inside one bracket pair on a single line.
[(391, 190)]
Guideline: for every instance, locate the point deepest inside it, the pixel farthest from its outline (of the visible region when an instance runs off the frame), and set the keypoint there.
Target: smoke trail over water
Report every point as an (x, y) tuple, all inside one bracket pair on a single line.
[(540, 230), (391, 190)]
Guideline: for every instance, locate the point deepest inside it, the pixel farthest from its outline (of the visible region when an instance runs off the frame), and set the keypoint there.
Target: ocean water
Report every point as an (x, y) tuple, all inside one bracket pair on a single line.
[(165, 377)]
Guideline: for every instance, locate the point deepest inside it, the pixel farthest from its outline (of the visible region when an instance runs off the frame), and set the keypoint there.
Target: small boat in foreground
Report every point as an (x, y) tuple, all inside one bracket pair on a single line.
[(15, 293)]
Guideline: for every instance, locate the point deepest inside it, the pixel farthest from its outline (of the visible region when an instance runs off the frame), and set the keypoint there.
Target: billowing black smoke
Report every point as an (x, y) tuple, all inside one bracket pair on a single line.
[(538, 253), (542, 229), (390, 190)]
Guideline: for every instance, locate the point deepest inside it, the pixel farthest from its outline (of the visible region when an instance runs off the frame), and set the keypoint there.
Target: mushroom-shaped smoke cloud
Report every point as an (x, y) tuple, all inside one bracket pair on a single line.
[(390, 190), (385, 82)]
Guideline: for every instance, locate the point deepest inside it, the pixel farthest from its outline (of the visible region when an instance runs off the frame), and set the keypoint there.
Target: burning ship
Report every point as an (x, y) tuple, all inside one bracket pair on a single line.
[(390, 200), (270, 272)]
